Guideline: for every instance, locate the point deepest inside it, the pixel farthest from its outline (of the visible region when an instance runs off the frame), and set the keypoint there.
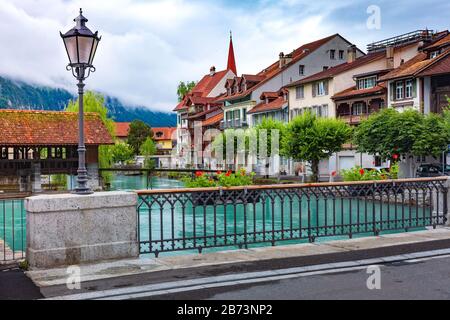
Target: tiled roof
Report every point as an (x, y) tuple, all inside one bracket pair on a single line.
[(331, 72), (269, 95), (204, 87), (214, 120), (353, 92), (122, 129), (274, 105), (50, 128), (297, 54), (164, 133), (417, 65), (444, 41), (440, 66), (274, 69)]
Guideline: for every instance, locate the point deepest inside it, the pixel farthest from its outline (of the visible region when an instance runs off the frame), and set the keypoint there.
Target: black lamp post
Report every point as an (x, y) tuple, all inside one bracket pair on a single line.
[(81, 45)]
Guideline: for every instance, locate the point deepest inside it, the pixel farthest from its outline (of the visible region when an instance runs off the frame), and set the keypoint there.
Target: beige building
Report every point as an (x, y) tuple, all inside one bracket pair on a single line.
[(359, 76)]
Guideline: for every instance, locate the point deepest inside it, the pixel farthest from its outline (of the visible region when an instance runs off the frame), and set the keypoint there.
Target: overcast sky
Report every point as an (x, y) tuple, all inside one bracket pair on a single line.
[(148, 46)]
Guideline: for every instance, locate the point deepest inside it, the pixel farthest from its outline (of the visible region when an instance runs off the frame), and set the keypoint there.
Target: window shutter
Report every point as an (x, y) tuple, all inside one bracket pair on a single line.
[(392, 90), (314, 89), (325, 84), (414, 88)]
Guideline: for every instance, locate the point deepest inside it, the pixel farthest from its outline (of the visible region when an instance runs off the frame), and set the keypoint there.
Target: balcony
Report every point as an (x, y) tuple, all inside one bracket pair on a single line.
[(353, 119)]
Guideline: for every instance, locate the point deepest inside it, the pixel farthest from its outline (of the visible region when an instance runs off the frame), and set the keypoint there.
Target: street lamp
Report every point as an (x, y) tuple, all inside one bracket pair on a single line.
[(81, 45)]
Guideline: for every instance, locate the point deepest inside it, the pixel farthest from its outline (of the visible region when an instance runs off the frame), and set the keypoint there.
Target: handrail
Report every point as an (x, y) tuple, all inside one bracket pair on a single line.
[(287, 186)]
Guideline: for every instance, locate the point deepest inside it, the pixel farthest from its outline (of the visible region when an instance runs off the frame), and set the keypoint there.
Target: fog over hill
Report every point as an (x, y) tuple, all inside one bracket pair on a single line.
[(20, 95)]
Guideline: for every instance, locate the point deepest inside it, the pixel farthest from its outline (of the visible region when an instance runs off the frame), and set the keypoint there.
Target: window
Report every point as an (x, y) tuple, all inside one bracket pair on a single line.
[(367, 83), (325, 68), (378, 162), (409, 89), (324, 111), (299, 92), (341, 54), (332, 54), (244, 114), (320, 88), (399, 90), (301, 69), (358, 108), (237, 114)]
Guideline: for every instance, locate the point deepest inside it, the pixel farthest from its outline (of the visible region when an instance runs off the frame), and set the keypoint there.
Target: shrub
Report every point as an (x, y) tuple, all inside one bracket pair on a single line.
[(360, 174), (220, 179)]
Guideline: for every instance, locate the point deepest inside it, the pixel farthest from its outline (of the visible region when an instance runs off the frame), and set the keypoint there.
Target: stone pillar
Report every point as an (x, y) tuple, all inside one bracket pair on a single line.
[(69, 229), (36, 185)]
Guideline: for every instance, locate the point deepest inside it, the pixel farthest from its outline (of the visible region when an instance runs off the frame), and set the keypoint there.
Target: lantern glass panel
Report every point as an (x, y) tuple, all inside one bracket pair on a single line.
[(71, 47)]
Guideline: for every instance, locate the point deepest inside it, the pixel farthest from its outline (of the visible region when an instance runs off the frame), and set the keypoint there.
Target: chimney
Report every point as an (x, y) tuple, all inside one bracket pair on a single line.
[(351, 53), (389, 57), (282, 60), (212, 71)]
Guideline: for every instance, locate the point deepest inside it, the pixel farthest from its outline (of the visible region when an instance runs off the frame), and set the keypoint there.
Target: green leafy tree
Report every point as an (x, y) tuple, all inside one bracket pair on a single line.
[(138, 133), (95, 102), (309, 138), (121, 152), (147, 149), (390, 132), (184, 88)]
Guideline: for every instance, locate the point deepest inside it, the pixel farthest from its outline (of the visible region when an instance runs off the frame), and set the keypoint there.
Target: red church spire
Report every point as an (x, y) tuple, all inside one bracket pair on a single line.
[(231, 60)]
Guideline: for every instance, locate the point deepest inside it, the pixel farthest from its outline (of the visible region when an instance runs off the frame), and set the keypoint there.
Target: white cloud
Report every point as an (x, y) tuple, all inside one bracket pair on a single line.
[(149, 46)]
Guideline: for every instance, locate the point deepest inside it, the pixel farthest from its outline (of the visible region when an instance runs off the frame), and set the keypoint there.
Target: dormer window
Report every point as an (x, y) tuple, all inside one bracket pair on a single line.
[(367, 83), (434, 54)]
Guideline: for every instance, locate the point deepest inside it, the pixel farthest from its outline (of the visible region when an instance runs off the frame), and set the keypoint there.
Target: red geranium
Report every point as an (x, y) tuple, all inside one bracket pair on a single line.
[(219, 172), (333, 174), (228, 173), (199, 174), (361, 172), (395, 156)]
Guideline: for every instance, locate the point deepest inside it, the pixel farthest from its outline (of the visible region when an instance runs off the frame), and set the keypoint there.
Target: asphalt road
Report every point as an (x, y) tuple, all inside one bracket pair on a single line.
[(422, 279), (15, 285)]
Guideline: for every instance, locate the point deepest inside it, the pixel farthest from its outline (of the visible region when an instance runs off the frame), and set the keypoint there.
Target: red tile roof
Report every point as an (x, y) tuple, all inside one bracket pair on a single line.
[(50, 128), (214, 120), (163, 133), (353, 92), (331, 72), (443, 41), (122, 129), (204, 87), (420, 65), (274, 69), (274, 105)]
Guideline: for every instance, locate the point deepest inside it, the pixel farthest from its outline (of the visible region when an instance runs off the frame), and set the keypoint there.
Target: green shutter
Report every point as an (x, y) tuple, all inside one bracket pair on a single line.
[(325, 84), (414, 88), (313, 86)]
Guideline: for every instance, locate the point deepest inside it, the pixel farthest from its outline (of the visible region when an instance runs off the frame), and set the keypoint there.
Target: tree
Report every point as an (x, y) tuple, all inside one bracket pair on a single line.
[(184, 88), (309, 138), (95, 102), (121, 152), (138, 134), (389, 132), (147, 149)]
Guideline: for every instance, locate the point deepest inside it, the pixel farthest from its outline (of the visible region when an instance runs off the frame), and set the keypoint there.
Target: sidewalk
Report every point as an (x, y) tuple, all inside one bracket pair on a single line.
[(139, 272), (15, 285)]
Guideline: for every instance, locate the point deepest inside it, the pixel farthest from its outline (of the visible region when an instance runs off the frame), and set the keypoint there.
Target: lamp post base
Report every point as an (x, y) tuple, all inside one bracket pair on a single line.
[(82, 191)]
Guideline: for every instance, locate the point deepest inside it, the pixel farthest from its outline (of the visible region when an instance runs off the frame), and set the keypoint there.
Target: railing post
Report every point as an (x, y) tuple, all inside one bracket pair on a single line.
[(446, 199)]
